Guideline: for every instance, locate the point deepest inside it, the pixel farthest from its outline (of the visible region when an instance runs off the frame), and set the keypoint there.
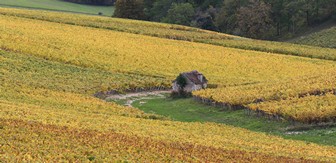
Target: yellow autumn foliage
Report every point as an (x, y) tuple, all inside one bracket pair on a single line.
[(175, 32), (310, 109), (49, 72)]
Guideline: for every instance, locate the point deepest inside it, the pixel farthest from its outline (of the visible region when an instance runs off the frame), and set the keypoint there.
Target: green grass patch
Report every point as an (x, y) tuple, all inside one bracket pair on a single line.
[(187, 110), (58, 5)]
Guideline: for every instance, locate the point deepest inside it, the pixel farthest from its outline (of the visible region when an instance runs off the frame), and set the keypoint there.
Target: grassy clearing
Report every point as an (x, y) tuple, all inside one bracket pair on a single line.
[(58, 5), (187, 110)]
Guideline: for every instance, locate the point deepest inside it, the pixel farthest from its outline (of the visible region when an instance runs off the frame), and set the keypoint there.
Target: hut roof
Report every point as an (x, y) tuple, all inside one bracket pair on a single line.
[(193, 77)]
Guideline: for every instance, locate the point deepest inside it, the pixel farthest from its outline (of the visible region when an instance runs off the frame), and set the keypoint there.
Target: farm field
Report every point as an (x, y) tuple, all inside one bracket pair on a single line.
[(178, 33), (310, 109), (51, 111), (50, 70), (58, 5), (64, 43), (305, 109)]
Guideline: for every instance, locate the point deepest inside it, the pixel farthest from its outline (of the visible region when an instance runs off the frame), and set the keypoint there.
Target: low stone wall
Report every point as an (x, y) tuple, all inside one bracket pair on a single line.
[(260, 113), (218, 104), (247, 110), (318, 93)]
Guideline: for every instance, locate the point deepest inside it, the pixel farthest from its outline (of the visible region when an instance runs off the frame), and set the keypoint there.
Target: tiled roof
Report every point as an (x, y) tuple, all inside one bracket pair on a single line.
[(193, 77)]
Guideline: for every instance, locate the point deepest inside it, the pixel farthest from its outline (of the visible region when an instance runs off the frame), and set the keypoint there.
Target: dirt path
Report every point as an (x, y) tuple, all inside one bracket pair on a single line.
[(132, 97)]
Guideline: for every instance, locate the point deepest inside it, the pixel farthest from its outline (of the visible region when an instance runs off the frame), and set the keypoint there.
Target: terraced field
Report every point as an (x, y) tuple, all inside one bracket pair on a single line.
[(49, 71), (299, 98)]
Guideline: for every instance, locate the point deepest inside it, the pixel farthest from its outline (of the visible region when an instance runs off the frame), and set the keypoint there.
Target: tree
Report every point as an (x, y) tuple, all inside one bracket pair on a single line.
[(131, 9), (204, 4), (266, 19), (278, 15), (226, 19), (255, 20), (180, 13), (181, 81), (205, 19), (148, 5), (159, 9)]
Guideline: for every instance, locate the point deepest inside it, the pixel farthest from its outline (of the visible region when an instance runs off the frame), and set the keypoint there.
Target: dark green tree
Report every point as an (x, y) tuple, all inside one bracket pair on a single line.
[(160, 9), (284, 18), (226, 19), (148, 5), (255, 20), (180, 13), (131, 9), (278, 15), (181, 81), (205, 19)]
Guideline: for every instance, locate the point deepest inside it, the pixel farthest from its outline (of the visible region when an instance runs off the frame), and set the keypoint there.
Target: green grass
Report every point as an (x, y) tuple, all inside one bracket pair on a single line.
[(187, 110), (58, 5)]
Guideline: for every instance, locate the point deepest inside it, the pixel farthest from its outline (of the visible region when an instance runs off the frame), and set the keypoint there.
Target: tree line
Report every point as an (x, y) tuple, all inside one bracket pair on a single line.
[(262, 19)]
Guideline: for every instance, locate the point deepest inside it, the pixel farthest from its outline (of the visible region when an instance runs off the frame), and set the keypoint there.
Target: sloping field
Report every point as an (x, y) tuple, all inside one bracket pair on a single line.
[(39, 109), (129, 53), (49, 72), (280, 90), (325, 38), (177, 32), (132, 26), (305, 109), (296, 99)]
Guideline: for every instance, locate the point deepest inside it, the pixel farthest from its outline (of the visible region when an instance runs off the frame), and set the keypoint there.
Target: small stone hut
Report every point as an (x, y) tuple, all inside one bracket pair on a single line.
[(194, 81)]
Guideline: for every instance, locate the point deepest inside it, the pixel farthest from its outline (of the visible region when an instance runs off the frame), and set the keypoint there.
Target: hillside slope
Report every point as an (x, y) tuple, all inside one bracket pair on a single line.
[(49, 71), (177, 32), (325, 38), (40, 116)]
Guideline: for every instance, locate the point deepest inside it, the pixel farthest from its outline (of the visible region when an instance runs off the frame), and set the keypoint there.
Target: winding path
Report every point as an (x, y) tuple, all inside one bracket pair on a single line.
[(138, 96)]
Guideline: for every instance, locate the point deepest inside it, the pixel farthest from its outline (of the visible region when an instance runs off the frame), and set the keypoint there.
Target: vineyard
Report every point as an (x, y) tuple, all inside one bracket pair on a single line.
[(309, 109), (39, 104), (301, 97), (325, 38), (106, 50), (50, 70), (176, 32)]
